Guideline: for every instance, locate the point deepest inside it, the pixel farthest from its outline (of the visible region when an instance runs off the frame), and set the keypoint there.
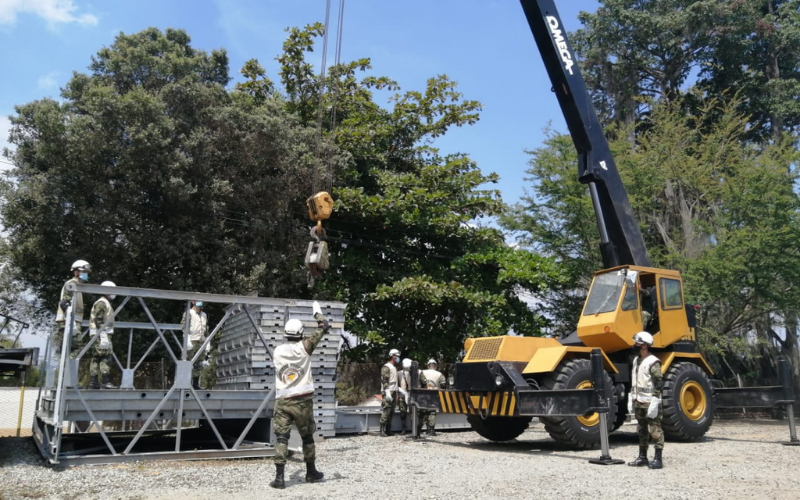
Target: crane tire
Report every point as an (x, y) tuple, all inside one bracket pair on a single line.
[(688, 402), (576, 432)]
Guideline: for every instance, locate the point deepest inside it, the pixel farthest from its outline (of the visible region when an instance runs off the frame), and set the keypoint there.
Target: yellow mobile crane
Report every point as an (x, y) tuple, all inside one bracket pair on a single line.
[(502, 382)]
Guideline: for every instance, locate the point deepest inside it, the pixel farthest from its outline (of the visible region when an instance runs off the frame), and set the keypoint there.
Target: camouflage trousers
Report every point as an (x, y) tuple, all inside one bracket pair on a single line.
[(300, 412), (648, 429), (197, 367), (426, 417), (101, 360), (387, 408)]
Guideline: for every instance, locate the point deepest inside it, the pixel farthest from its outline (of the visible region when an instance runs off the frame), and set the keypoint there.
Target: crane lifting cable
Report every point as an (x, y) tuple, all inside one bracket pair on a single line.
[(320, 205)]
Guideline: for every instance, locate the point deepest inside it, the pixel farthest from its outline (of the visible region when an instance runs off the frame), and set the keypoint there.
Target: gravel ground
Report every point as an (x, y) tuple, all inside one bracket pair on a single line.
[(737, 459)]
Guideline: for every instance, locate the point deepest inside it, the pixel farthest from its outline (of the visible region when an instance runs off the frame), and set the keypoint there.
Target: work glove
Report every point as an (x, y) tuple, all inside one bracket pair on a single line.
[(388, 396), (652, 410), (630, 403), (321, 321), (64, 304)]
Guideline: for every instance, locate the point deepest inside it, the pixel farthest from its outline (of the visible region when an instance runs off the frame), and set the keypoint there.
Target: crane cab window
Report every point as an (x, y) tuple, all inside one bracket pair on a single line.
[(605, 292), (670, 292)]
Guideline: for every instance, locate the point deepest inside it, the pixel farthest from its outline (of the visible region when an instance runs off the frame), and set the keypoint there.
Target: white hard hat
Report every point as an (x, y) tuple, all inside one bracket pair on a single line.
[(406, 364), (293, 330), (81, 265), (643, 338), (109, 283), (433, 362), (393, 353)]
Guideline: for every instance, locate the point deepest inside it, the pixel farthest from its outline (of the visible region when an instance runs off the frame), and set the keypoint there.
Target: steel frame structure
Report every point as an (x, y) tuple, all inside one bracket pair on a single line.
[(65, 401)]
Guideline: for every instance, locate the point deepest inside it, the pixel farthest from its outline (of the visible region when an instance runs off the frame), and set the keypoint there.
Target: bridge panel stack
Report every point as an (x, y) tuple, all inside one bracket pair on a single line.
[(244, 364)]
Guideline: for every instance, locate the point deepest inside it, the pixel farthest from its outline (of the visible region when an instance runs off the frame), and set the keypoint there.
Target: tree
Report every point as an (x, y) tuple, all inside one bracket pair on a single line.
[(155, 173), (642, 48), (755, 49)]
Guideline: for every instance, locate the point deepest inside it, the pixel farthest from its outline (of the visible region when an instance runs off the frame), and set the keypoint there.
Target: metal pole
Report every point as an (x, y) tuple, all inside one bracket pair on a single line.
[(249, 425), (785, 375), (602, 402), (21, 402), (130, 346)]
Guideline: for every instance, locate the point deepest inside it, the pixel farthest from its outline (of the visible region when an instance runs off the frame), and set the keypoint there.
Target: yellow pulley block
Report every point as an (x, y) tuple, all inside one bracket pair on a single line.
[(320, 206)]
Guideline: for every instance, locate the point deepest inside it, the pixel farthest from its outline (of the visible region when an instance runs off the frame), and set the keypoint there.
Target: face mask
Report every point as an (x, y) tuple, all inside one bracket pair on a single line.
[(636, 349), (396, 360), (198, 304), (83, 277)]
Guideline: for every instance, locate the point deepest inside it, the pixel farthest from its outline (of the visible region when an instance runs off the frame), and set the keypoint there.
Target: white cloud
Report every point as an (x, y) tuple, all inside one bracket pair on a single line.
[(54, 12), (48, 81)]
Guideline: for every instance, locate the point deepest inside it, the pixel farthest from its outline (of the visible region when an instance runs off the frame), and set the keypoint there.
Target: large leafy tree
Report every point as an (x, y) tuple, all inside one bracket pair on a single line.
[(160, 177), (754, 51)]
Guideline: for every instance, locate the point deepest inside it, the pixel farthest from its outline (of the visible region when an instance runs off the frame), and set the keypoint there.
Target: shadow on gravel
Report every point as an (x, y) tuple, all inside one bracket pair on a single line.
[(19, 451), (542, 446), (757, 441)]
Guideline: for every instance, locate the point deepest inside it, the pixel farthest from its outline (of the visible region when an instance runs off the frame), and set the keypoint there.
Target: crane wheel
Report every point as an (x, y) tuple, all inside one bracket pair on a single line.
[(688, 403), (499, 428), (575, 432)]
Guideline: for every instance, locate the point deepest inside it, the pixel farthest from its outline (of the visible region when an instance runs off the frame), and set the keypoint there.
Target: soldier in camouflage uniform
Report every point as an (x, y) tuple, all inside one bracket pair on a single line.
[(430, 379), (294, 395), (80, 274), (645, 400), (389, 391), (101, 325), (404, 393)]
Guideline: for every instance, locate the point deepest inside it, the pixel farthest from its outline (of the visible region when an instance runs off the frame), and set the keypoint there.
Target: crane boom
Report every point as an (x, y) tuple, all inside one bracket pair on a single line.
[(621, 241)]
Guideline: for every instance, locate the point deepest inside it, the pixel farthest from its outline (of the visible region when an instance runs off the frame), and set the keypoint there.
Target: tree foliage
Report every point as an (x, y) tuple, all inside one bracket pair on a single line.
[(160, 177)]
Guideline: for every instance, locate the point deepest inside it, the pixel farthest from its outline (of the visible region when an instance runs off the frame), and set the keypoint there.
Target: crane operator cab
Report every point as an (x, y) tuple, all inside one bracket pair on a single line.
[(629, 299)]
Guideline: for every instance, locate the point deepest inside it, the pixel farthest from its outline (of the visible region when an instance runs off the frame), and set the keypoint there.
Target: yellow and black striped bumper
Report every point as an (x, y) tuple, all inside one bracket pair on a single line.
[(503, 404)]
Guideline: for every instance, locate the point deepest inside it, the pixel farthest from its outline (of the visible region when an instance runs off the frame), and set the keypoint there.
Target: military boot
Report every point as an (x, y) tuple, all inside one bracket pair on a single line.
[(641, 460), (656, 463), (403, 430), (93, 382), (107, 382), (431, 430), (279, 482), (383, 431), (312, 474)]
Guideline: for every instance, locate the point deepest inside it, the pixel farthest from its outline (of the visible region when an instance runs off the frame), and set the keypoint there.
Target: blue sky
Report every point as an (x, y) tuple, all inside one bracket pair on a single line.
[(486, 46)]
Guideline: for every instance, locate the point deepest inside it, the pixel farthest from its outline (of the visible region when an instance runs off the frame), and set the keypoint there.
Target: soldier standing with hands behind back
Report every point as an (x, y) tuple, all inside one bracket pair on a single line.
[(389, 391), (430, 379), (294, 395)]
